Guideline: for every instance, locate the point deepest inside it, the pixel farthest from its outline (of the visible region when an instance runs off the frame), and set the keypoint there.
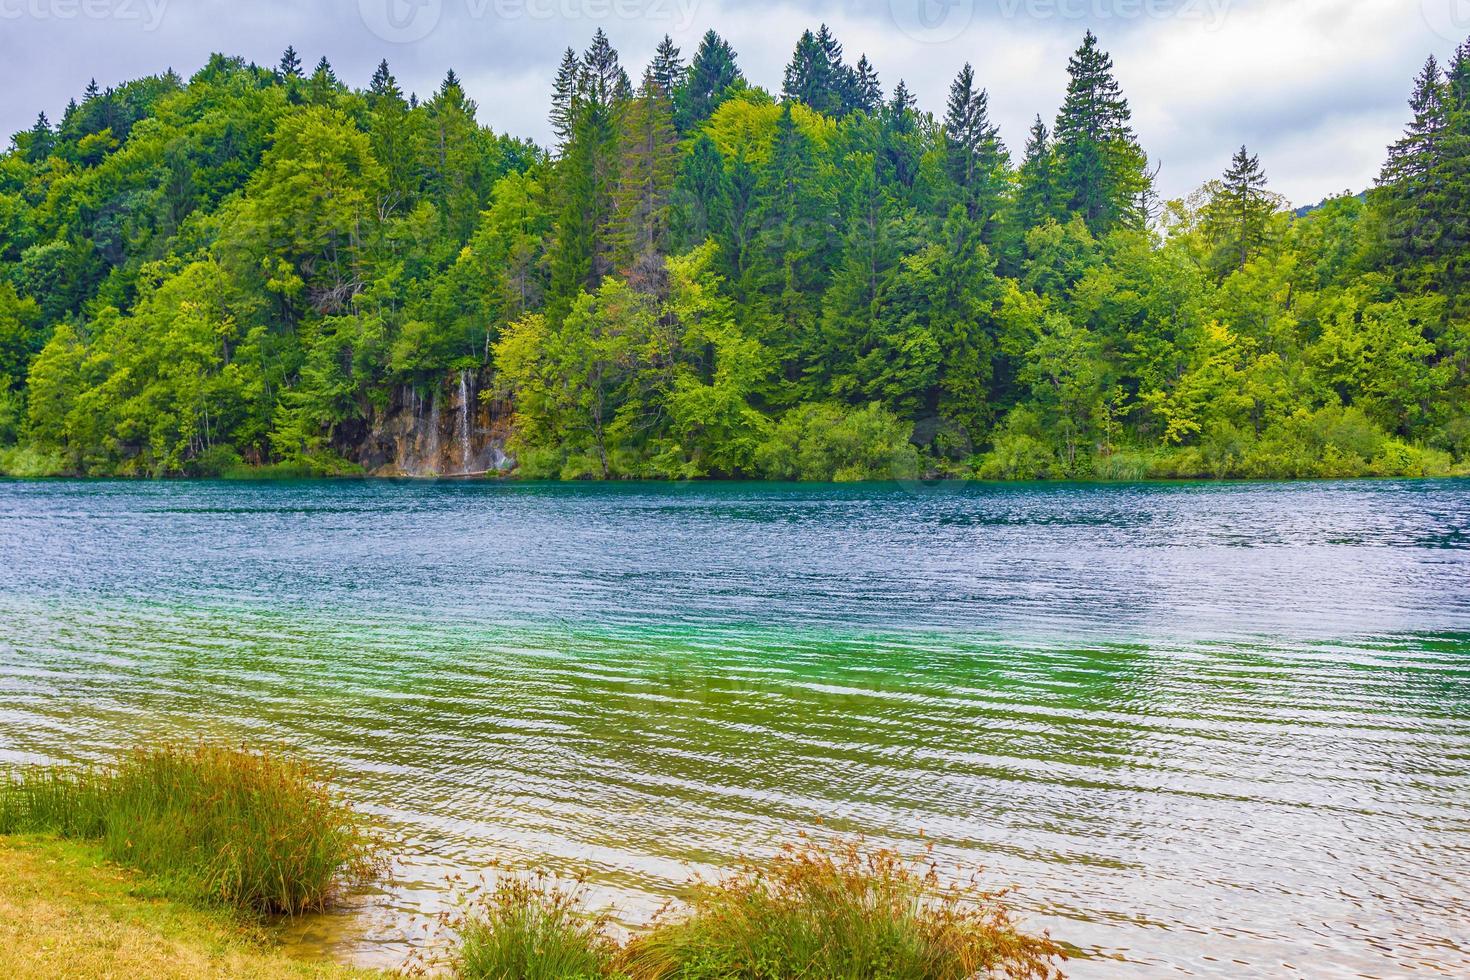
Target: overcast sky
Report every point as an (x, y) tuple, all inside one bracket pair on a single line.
[(1316, 87)]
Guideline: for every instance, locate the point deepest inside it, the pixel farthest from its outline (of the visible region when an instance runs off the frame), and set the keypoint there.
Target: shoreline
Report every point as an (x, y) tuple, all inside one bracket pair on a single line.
[(266, 476), (65, 910)]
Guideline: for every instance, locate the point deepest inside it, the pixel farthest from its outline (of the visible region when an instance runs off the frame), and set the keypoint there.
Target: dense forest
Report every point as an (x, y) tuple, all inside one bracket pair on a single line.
[(266, 267)]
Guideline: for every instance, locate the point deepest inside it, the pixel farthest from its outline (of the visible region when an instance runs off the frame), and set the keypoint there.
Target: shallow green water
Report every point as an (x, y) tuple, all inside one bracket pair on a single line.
[(1208, 730)]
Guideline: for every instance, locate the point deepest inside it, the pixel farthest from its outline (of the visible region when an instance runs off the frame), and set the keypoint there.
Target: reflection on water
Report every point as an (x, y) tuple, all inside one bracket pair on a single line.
[(1216, 730)]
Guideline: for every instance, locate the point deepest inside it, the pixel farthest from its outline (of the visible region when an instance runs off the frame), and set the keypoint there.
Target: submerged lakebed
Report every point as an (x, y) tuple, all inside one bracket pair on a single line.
[(1209, 729)]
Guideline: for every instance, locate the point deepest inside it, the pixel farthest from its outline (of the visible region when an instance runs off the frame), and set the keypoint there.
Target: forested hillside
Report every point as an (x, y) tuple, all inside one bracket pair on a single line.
[(269, 267)]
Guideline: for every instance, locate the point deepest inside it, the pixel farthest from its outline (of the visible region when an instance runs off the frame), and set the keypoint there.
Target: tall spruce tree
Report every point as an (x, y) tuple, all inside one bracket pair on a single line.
[(396, 139), (1238, 218), (1036, 190), (975, 158), (797, 237), (564, 96), (41, 140), (811, 78), (668, 68), (868, 92), (383, 83), (902, 141), (1411, 198), (843, 79), (702, 200), (587, 174), (290, 65), (1102, 171), (712, 72), (647, 161)]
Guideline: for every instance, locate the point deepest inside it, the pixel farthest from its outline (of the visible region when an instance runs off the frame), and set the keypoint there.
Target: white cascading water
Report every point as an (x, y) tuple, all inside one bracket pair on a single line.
[(434, 449), (464, 421)]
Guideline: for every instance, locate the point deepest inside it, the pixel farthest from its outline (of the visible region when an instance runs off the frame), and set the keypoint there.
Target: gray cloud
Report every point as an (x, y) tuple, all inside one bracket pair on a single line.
[(1317, 87)]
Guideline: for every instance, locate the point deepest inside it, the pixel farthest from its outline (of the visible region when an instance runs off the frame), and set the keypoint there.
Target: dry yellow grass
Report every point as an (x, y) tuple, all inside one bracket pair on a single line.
[(64, 912)]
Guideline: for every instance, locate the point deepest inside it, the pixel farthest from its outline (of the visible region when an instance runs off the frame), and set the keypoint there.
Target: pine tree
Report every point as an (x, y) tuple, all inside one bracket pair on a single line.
[(974, 154), (290, 66), (396, 137), (647, 158), (809, 77), (668, 68), (903, 100), (841, 79), (901, 150), (451, 179), (587, 172), (1451, 202), (1102, 171), (383, 82), (712, 72), (1239, 214), (851, 306), (797, 238), (1411, 199), (91, 92), (323, 86), (563, 98), (702, 198), (603, 82), (40, 141), (869, 93), (1036, 190)]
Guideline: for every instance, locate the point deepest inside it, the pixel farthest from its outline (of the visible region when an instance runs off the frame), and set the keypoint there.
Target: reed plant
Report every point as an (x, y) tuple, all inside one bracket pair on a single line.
[(255, 831), (532, 929), (839, 911)]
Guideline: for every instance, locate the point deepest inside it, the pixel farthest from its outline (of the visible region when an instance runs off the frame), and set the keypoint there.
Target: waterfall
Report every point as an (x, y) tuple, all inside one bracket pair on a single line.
[(434, 449), (464, 421)]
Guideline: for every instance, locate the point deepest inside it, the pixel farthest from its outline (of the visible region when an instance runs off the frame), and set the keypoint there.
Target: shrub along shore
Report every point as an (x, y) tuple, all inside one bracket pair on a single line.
[(165, 863)]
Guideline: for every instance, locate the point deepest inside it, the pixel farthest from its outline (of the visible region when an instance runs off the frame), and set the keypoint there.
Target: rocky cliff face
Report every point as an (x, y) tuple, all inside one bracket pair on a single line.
[(444, 432)]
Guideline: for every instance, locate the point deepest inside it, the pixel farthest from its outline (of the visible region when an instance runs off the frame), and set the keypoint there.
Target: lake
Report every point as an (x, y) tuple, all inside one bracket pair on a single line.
[(1206, 730)]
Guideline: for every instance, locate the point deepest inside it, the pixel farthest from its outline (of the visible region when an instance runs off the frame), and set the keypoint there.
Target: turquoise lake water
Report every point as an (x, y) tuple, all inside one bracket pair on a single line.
[(1207, 730)]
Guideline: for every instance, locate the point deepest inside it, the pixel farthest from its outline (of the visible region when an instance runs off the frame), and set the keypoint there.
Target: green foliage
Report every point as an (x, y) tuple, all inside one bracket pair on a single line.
[(251, 831), (260, 268), (829, 442)]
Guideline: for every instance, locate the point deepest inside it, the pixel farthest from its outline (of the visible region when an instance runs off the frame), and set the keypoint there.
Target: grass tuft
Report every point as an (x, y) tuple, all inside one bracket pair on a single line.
[(249, 830), (837, 912), (532, 930), (840, 911)]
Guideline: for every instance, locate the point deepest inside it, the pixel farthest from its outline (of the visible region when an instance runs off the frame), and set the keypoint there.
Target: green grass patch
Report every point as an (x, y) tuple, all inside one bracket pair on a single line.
[(249, 830), (66, 911), (841, 912)]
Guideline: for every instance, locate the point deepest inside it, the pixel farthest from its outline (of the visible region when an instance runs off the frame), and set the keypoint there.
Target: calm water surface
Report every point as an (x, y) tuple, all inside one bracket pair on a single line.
[(1210, 731)]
